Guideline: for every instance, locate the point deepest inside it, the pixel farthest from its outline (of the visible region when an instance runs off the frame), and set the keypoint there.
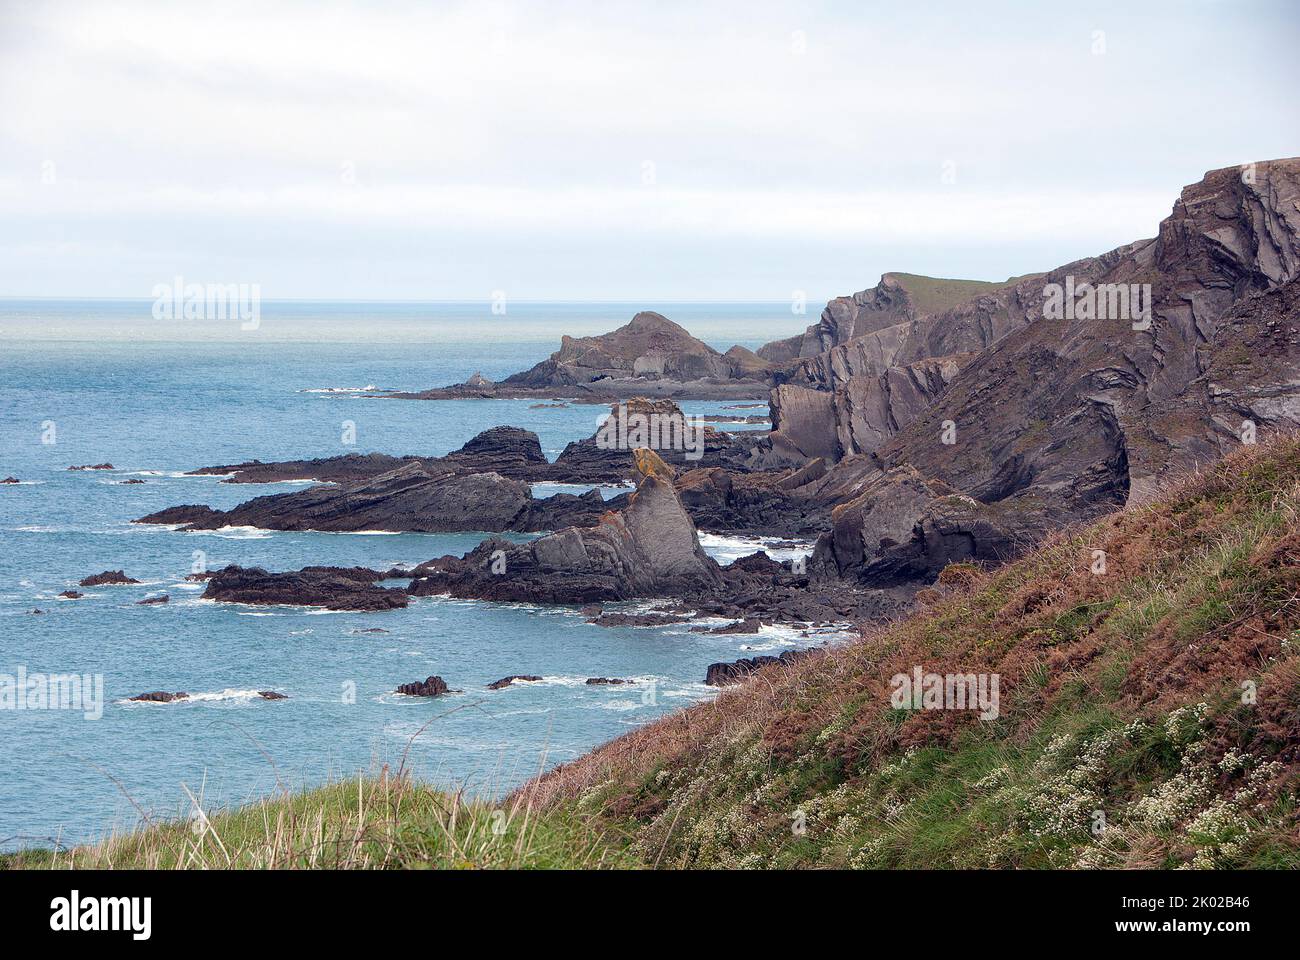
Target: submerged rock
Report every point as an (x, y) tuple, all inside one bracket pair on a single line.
[(147, 601), (159, 696), (748, 625), (507, 681), (94, 466), (71, 595), (636, 619), (605, 681)]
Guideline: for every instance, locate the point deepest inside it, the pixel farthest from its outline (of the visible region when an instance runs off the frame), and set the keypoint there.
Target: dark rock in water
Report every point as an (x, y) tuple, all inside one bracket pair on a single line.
[(159, 696), (203, 577), (636, 620), (94, 466), (334, 588), (195, 516), (605, 681), (509, 451), (372, 630), (748, 625), (507, 681), (71, 595), (35, 610), (108, 578), (152, 600), (272, 695), (342, 469), (10, 480), (126, 483), (409, 498), (430, 687), (723, 674)]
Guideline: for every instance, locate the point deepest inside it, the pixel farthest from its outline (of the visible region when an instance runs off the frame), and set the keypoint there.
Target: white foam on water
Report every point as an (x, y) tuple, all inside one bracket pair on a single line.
[(368, 388), (211, 697), (238, 533), (726, 548)]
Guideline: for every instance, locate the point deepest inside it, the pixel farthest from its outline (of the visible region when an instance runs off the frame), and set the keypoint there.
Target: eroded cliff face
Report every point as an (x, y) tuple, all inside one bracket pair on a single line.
[(888, 304), (1057, 420)]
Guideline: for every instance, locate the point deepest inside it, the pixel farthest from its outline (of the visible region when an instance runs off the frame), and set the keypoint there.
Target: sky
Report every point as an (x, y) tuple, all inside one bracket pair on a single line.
[(612, 151)]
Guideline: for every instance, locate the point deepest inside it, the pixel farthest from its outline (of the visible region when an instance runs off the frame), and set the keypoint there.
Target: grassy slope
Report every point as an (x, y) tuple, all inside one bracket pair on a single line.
[(936, 294), (1121, 698), (363, 823)]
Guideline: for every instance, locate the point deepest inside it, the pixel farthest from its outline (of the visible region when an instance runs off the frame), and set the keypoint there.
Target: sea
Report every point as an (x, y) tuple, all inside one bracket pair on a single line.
[(104, 381)]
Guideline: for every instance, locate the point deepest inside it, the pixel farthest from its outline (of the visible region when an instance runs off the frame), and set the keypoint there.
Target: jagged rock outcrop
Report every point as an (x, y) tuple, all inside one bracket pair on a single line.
[(888, 304), (334, 588), (649, 356), (647, 549), (429, 687)]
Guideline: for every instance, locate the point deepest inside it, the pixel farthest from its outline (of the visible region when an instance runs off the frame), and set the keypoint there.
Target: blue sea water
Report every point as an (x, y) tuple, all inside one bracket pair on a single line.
[(109, 383)]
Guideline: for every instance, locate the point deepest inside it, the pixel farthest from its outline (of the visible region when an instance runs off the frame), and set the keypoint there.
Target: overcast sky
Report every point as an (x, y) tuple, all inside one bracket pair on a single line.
[(612, 151)]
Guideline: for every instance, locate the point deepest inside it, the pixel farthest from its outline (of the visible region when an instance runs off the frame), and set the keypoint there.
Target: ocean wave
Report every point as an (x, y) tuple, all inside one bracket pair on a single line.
[(368, 388)]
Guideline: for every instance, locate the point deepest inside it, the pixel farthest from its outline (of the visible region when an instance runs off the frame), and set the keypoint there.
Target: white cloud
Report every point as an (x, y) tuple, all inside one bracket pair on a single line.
[(506, 120)]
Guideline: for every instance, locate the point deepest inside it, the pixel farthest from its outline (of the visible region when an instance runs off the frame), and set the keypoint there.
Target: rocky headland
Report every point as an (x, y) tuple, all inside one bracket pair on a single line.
[(918, 424)]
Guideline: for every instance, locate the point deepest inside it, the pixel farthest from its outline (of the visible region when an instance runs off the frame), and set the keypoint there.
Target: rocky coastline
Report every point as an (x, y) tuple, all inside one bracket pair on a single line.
[(918, 424)]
